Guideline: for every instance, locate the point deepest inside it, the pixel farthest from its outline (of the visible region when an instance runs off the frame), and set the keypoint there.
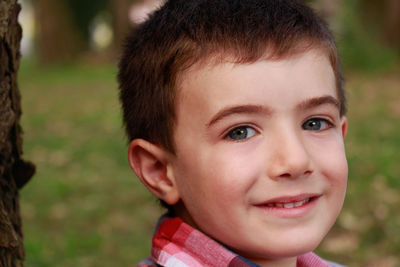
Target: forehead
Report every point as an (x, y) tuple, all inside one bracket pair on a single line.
[(223, 83)]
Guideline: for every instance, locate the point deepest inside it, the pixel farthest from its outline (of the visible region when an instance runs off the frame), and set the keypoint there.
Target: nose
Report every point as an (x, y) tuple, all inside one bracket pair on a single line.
[(288, 157)]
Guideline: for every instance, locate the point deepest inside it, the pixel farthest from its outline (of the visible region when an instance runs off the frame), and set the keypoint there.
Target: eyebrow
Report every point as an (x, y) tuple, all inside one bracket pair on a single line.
[(318, 101), (242, 109), (255, 109)]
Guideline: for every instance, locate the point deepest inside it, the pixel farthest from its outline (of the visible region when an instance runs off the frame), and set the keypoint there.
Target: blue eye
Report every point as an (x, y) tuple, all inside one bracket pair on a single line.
[(316, 124), (241, 133)]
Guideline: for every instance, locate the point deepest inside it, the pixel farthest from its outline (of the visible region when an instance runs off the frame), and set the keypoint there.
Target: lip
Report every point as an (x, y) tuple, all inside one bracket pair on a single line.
[(289, 199), (292, 212)]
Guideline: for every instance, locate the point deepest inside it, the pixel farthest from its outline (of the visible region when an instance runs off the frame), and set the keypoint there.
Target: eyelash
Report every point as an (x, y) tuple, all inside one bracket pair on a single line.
[(253, 132), (329, 123)]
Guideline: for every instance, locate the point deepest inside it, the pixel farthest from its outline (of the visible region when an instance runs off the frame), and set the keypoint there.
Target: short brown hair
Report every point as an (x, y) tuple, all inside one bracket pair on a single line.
[(184, 32)]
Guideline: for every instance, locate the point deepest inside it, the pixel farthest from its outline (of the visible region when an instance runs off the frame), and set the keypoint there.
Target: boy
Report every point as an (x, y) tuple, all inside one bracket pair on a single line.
[(235, 113)]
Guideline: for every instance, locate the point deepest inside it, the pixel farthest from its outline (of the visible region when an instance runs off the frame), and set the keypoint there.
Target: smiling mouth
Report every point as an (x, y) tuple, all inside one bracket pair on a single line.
[(290, 202), (289, 205)]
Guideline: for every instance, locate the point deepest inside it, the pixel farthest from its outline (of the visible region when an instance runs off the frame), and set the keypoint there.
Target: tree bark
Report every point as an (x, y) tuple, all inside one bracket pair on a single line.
[(14, 172)]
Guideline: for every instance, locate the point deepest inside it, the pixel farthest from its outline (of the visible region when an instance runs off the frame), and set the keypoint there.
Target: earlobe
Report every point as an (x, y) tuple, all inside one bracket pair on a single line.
[(344, 126), (151, 165)]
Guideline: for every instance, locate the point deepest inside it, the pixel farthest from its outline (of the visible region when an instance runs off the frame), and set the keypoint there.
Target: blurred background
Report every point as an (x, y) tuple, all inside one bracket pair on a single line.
[(84, 207)]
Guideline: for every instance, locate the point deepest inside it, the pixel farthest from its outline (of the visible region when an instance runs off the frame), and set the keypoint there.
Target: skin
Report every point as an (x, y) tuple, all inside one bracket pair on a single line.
[(247, 134)]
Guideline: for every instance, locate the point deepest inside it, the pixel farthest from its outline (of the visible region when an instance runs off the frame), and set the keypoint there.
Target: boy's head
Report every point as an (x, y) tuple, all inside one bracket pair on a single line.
[(185, 32), (235, 112)]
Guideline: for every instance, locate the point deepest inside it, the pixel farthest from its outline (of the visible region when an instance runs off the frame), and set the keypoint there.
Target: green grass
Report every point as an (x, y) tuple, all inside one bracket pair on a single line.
[(84, 206)]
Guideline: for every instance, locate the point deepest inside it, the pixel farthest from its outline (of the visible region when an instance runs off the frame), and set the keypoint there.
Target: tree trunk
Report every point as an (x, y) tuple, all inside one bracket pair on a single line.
[(14, 172), (120, 20), (392, 23), (58, 38), (384, 17)]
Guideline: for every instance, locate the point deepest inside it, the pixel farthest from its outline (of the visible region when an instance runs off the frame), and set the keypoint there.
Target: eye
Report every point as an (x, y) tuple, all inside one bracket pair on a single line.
[(317, 124), (241, 133)]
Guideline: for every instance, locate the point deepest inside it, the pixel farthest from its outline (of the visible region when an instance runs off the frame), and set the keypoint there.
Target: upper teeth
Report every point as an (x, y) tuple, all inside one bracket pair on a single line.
[(289, 205)]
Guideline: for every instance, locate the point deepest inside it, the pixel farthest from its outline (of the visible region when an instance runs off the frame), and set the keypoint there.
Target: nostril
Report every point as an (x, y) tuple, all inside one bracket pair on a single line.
[(285, 175), (294, 175), (308, 172)]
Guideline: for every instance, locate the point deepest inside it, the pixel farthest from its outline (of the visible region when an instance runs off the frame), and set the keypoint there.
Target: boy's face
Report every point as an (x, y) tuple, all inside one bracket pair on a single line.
[(260, 163)]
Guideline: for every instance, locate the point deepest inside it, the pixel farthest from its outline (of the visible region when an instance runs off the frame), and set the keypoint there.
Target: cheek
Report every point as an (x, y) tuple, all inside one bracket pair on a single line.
[(220, 175), (333, 165), (329, 158), (237, 167), (329, 154)]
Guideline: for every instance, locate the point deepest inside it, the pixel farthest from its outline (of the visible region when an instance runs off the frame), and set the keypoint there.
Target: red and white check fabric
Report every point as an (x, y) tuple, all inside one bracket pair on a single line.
[(176, 244)]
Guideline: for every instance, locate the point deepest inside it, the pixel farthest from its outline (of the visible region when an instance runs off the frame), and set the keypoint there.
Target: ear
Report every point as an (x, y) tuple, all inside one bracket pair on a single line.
[(152, 167), (344, 126)]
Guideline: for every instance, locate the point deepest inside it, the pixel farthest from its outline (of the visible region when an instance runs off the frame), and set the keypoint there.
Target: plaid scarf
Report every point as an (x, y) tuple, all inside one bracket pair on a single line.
[(176, 244)]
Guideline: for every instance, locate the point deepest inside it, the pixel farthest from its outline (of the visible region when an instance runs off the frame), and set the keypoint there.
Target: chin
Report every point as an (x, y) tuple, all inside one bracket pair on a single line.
[(296, 246), (285, 247), (296, 250)]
